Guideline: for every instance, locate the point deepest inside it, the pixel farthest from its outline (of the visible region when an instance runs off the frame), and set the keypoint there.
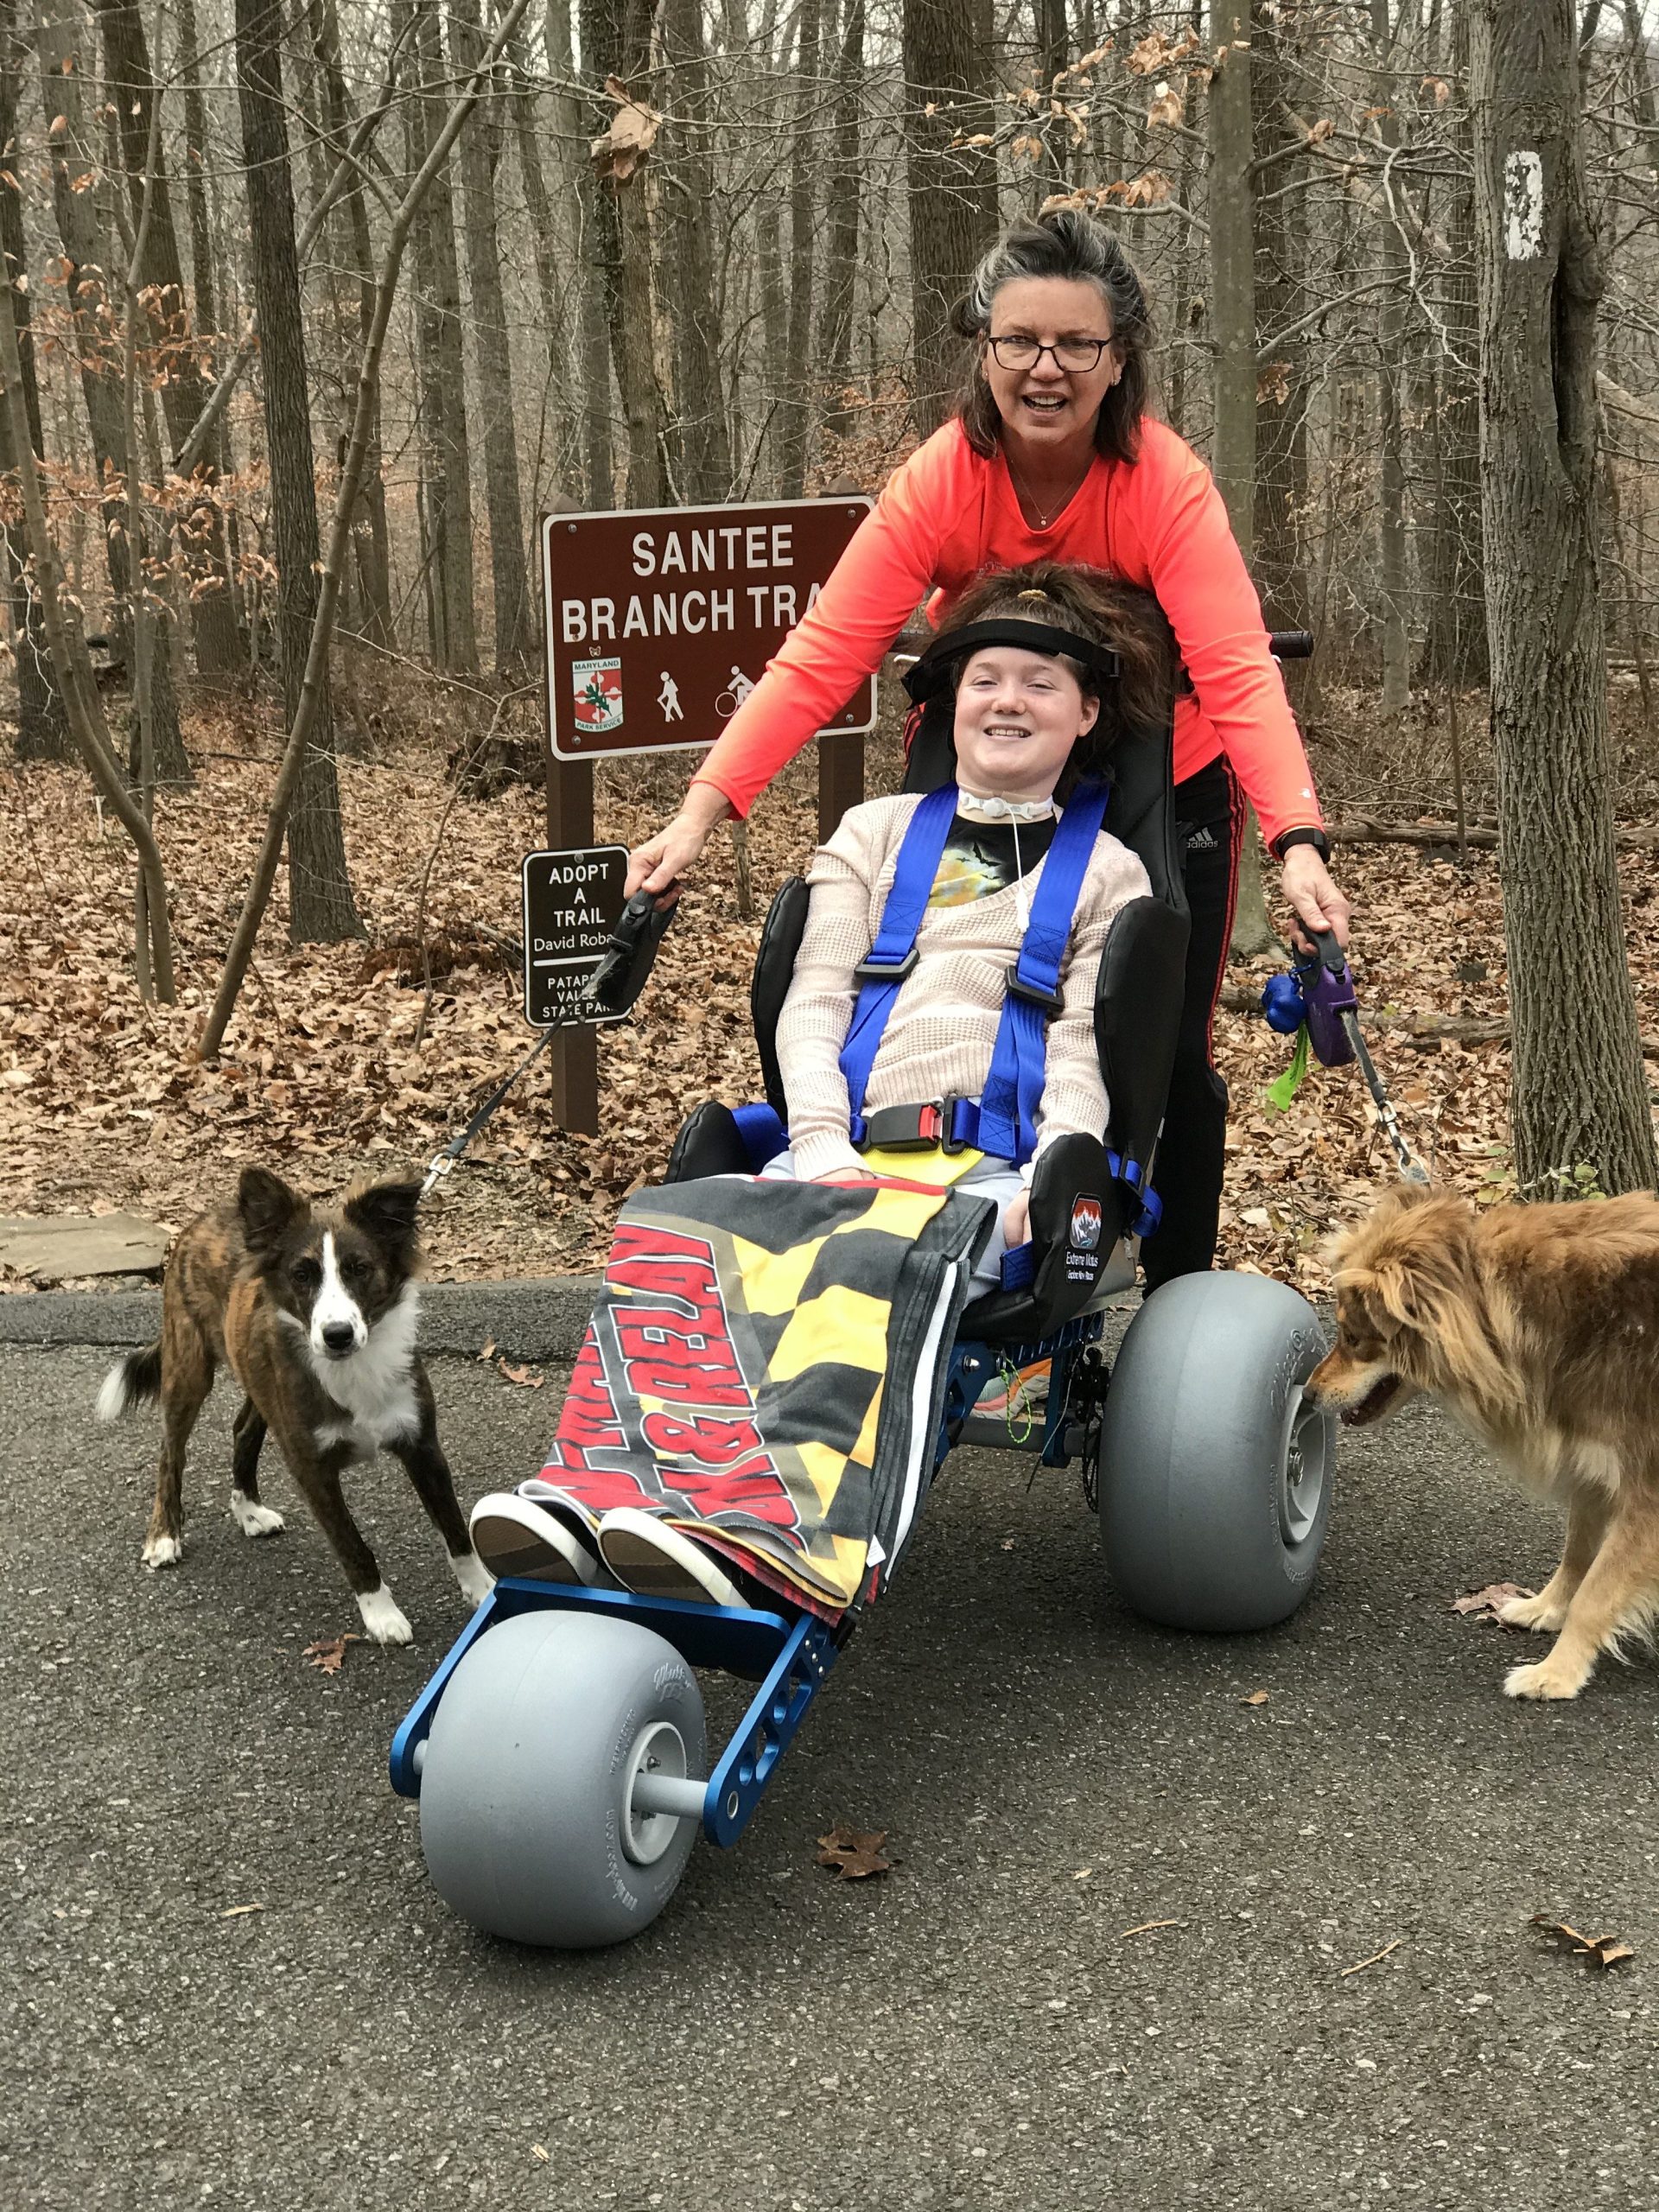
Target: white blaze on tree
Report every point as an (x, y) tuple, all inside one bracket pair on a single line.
[(1523, 206)]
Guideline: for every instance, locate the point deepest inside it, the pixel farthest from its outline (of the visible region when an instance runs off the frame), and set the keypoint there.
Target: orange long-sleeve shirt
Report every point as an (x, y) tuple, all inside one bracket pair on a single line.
[(949, 513)]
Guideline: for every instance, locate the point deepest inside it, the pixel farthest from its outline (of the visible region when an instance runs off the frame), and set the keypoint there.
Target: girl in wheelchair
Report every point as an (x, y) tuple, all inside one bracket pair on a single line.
[(938, 1029), (1032, 721)]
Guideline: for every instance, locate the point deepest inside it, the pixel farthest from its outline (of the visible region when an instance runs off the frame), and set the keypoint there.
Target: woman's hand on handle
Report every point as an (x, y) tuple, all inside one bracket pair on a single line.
[(662, 861), (1313, 899)]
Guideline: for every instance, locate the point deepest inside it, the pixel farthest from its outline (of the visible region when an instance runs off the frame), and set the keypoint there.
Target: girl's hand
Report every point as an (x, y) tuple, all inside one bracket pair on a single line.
[(661, 861), (1016, 1219), (1313, 899)]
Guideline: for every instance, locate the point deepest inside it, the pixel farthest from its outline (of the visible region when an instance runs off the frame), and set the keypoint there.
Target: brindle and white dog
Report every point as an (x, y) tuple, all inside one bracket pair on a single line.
[(1538, 1325), (314, 1315)]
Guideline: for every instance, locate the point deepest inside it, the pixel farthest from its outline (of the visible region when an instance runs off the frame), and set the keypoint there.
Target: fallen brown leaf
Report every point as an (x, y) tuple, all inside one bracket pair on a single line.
[(236, 1911), (1599, 1950), (488, 1353), (1256, 1697), (853, 1855), (526, 1377), (1483, 1605), (328, 1653)]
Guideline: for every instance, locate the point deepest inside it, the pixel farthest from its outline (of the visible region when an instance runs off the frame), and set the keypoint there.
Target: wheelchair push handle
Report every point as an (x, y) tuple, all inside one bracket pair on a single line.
[(1291, 644)]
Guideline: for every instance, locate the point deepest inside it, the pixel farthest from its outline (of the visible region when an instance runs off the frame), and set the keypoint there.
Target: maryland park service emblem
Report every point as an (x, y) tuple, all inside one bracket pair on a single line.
[(596, 686)]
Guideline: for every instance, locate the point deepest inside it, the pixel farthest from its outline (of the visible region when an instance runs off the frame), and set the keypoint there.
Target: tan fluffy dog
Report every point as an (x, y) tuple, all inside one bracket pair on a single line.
[(1540, 1326)]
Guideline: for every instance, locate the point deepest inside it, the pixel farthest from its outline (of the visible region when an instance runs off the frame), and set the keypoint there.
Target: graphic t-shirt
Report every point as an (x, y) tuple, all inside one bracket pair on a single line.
[(980, 858)]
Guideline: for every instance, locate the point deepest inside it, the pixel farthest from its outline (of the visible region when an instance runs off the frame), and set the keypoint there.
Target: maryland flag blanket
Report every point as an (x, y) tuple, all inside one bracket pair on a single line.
[(766, 1368)]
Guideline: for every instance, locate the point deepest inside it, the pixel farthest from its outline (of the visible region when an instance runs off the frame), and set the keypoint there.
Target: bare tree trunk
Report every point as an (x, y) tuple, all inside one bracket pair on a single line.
[(479, 154), (1281, 301), (75, 686), (42, 732), (947, 54), (1391, 507), (632, 321), (841, 224), (596, 254), (795, 415), (556, 317), (1580, 1095), (449, 490), (1053, 52), (132, 88), (1455, 647), (321, 909), (1232, 310), (689, 192), (371, 537)]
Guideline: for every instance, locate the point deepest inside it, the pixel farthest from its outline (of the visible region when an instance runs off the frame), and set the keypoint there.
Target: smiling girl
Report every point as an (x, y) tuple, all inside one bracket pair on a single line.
[(1028, 725)]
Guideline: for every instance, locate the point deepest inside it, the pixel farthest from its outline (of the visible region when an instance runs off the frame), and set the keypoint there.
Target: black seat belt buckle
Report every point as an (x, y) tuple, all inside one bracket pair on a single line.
[(1048, 1003), (885, 971)]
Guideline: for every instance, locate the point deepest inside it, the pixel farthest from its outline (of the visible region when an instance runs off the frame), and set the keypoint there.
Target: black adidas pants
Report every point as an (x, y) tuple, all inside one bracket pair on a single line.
[(1192, 1152)]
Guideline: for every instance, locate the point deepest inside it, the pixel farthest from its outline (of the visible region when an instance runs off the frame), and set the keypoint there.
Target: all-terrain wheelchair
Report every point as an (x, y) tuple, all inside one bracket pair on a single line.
[(559, 1752)]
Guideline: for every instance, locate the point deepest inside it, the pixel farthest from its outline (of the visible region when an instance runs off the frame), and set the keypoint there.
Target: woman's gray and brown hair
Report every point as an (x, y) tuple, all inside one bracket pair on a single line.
[(1066, 243)]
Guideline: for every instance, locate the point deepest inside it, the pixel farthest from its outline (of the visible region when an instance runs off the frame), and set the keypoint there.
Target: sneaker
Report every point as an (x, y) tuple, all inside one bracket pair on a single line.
[(514, 1536), (654, 1560), (1020, 1397)]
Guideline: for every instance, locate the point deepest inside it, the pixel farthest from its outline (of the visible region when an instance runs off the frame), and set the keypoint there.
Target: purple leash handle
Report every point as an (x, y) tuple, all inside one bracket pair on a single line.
[(1333, 1031)]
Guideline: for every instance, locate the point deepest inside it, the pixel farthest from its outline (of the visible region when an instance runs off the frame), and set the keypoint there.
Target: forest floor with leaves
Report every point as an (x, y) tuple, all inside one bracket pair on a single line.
[(326, 1075)]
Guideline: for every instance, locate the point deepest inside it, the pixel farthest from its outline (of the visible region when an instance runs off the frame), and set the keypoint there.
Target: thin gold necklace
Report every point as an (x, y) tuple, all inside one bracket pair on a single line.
[(1024, 493)]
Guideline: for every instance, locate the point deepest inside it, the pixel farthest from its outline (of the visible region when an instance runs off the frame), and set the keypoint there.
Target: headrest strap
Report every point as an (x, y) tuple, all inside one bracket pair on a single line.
[(933, 671)]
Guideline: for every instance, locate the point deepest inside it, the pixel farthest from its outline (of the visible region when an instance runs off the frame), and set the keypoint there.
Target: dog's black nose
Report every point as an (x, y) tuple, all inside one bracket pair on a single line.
[(337, 1335)]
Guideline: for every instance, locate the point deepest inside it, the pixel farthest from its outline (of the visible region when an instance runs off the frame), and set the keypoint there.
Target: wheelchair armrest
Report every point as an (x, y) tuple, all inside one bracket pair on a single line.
[(709, 1143), (1076, 1217), (1137, 1017)]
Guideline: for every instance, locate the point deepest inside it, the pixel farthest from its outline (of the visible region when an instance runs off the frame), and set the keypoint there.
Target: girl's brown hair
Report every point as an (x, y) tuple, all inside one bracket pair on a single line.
[(1095, 605), (1068, 243)]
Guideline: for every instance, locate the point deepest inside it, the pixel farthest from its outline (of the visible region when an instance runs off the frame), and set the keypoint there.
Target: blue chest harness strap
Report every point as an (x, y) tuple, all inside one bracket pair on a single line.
[(1004, 1123)]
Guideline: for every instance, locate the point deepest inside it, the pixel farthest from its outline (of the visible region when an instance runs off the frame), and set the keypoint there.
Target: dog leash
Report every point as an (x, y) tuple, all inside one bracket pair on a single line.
[(1318, 1002), (446, 1159)]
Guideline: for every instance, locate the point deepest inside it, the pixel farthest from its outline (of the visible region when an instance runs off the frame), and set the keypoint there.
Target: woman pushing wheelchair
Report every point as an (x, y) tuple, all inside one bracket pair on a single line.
[(1052, 457)]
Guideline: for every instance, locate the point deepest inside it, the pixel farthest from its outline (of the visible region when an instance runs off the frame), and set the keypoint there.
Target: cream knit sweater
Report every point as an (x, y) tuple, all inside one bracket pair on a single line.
[(943, 1027)]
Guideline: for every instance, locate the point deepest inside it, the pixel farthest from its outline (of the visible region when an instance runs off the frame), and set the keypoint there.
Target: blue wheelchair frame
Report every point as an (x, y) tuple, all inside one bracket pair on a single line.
[(791, 1659)]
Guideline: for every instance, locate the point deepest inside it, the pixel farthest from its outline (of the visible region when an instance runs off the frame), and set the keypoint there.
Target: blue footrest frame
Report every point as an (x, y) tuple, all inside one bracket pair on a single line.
[(792, 1660)]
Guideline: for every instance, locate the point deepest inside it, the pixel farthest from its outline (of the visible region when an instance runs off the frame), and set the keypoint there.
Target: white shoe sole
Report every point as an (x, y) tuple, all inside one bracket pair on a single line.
[(514, 1537), (653, 1560)]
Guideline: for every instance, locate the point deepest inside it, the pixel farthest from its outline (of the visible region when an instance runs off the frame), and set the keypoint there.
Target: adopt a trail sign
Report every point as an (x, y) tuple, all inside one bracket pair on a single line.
[(659, 621), (572, 900)]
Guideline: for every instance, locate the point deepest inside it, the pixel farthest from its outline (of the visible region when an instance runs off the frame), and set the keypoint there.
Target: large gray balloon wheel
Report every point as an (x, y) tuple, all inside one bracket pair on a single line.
[(1215, 1473), (527, 1818)]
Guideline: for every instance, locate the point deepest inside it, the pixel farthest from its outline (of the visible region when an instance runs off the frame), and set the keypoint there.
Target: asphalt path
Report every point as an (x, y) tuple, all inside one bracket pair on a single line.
[(979, 2028)]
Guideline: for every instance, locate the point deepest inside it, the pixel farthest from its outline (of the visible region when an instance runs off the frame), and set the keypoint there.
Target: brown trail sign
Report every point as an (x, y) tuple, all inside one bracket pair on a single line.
[(658, 622)]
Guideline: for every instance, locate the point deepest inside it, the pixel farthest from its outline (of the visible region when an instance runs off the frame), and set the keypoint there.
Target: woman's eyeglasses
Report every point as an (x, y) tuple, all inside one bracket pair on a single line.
[(1076, 356)]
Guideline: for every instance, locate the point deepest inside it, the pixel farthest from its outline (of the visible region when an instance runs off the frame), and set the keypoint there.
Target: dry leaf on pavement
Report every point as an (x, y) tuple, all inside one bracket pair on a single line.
[(1599, 1950), (854, 1855), (1255, 1697), (328, 1653), (1483, 1605), (526, 1377)]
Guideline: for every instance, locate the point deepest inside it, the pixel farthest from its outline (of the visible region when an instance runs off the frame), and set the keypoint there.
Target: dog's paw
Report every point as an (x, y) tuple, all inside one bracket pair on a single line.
[(475, 1579), (1541, 1612), (162, 1551), (253, 1519), (383, 1616), (1543, 1680)]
